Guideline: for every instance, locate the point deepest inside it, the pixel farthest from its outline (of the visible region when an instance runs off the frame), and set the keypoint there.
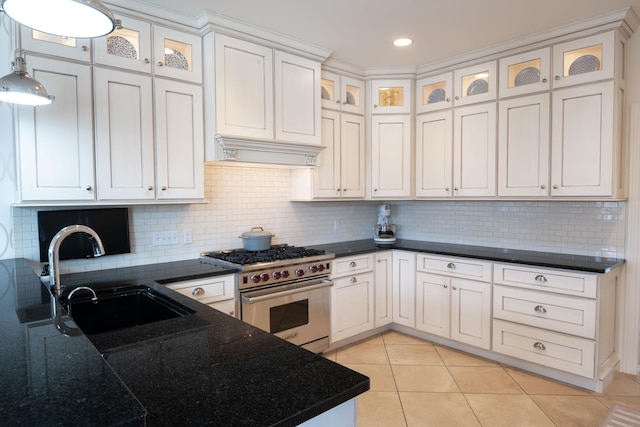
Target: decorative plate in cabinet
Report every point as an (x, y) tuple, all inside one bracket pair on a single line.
[(525, 73)]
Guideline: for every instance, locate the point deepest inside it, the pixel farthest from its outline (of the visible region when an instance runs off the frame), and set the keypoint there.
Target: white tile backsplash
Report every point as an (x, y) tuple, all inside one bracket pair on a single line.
[(245, 197)]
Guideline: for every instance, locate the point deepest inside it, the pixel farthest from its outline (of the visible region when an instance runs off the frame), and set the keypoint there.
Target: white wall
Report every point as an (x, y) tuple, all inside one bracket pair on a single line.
[(241, 198)]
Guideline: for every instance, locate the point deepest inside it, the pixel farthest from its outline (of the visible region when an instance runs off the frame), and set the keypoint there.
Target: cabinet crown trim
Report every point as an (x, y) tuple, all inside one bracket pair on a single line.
[(244, 149)]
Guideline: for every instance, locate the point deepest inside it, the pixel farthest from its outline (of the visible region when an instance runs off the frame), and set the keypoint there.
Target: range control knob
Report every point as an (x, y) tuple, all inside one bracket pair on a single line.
[(313, 268), (300, 272), (321, 267), (276, 275), (264, 277), (255, 278), (284, 274)]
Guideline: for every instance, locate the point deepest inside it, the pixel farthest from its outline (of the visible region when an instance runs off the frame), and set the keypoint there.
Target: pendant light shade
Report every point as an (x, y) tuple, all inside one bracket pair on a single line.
[(20, 88), (67, 18)]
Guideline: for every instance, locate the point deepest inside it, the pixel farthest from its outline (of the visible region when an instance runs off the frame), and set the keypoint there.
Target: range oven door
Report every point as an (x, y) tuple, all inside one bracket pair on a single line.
[(297, 312)]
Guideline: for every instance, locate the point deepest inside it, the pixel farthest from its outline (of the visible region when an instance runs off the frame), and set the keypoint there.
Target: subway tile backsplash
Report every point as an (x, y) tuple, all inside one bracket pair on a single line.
[(243, 197)]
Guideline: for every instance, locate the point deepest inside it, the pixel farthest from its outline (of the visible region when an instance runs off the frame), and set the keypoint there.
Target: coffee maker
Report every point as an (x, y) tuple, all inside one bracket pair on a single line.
[(385, 230)]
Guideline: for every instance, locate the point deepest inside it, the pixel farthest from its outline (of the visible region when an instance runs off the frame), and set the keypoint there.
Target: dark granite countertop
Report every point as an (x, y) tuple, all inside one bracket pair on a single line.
[(540, 259), (202, 369)]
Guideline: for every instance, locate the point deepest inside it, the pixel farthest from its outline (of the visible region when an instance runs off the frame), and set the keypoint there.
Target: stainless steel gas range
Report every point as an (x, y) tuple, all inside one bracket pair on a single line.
[(284, 290)]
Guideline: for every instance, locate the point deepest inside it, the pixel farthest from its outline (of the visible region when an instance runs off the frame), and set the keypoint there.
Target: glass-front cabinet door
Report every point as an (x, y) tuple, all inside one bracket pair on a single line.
[(342, 93), (177, 55), (474, 84), (126, 47), (584, 60), (66, 47), (390, 96), (434, 93), (525, 73)]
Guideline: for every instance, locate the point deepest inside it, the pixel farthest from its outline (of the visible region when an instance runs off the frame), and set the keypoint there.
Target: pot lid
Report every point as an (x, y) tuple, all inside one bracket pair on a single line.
[(256, 232)]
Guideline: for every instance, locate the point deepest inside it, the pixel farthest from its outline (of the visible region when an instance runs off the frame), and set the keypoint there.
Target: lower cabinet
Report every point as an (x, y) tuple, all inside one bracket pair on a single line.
[(404, 287), (217, 292), (352, 305), (383, 278), (454, 307)]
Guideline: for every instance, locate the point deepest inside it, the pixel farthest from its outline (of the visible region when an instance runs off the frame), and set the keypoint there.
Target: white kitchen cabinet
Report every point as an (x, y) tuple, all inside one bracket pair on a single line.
[(297, 97), (525, 73), (383, 279), (244, 88), (124, 135), (352, 296), (585, 141), (586, 60), (391, 156), (456, 305), (523, 146), (247, 88), (434, 154), (391, 96), (55, 144), (476, 83), (128, 47), (342, 93), (474, 150), (48, 44), (179, 140), (177, 55), (217, 292), (404, 288), (561, 319), (434, 93), (340, 166)]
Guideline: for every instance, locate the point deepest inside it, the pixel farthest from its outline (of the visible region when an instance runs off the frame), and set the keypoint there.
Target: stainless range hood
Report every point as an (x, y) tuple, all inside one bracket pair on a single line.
[(243, 149)]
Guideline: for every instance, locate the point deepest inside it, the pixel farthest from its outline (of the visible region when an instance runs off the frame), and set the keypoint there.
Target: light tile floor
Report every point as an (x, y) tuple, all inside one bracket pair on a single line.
[(418, 383)]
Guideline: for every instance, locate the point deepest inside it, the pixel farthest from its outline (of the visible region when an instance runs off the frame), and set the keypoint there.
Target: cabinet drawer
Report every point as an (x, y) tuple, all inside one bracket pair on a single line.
[(558, 351), (561, 281), (351, 265), (461, 267), (576, 316), (209, 290)]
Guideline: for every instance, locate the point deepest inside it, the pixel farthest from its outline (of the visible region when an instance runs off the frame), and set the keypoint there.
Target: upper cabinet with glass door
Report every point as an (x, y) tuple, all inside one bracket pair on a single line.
[(585, 60), (342, 93), (434, 93), (474, 84), (126, 47), (65, 47), (390, 96), (525, 73), (141, 46)]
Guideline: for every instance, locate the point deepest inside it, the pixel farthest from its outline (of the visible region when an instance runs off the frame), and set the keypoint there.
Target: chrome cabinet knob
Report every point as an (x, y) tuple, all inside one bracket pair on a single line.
[(150, 188), (451, 266), (454, 288), (455, 188), (539, 346), (448, 99), (353, 280), (557, 77), (445, 286), (447, 189), (544, 80), (84, 48), (555, 187), (353, 264), (375, 105), (146, 60), (89, 188), (540, 278), (163, 188), (160, 64), (457, 98), (232, 313), (542, 187), (540, 309), (197, 292)]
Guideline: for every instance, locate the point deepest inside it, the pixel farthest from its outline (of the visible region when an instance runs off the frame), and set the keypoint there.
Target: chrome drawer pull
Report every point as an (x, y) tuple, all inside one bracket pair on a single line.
[(451, 265), (540, 309), (352, 264), (353, 280), (540, 278), (539, 346), (197, 292)]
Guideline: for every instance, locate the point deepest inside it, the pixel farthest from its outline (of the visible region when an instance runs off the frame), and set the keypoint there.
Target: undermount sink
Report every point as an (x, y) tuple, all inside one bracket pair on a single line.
[(122, 307)]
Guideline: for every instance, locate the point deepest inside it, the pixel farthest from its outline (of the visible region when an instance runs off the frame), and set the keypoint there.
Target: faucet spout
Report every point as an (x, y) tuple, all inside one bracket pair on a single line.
[(54, 250)]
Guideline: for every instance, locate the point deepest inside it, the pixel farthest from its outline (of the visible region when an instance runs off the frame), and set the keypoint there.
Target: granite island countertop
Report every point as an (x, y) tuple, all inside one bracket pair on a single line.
[(203, 369)]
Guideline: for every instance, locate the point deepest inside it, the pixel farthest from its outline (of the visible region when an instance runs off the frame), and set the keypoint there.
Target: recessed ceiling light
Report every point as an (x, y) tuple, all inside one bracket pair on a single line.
[(402, 42)]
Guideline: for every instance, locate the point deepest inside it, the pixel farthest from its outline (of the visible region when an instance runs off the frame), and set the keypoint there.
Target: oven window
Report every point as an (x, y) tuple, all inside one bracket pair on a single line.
[(288, 316)]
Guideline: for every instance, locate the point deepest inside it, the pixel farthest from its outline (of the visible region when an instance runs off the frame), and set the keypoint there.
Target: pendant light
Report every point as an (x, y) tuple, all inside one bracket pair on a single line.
[(66, 18), (20, 88)]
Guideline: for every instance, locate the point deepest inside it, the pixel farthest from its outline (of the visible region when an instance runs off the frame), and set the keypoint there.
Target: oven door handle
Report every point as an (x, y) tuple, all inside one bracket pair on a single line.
[(282, 291)]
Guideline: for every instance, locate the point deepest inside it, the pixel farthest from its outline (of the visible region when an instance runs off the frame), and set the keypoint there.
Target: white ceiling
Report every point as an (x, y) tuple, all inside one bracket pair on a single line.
[(360, 32)]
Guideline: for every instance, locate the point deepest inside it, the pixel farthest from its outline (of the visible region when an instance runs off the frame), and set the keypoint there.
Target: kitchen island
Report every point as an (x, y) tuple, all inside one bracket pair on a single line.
[(203, 369)]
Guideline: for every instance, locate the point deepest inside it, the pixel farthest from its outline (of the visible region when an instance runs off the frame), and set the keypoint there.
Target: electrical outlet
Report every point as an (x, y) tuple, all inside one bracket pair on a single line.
[(187, 237), (163, 238), (336, 225), (462, 226)]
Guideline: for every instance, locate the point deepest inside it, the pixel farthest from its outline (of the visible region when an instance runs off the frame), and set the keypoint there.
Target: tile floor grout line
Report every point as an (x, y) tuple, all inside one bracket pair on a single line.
[(395, 383)]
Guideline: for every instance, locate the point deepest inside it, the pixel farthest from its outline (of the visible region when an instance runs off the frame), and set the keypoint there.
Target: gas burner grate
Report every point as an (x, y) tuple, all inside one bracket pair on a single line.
[(275, 253)]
